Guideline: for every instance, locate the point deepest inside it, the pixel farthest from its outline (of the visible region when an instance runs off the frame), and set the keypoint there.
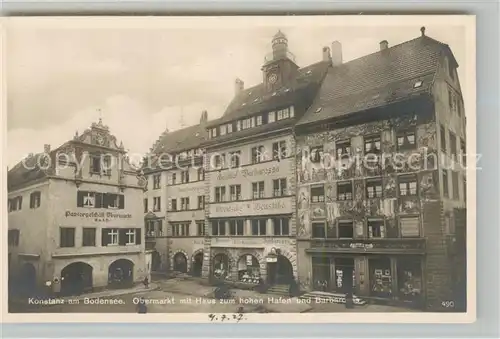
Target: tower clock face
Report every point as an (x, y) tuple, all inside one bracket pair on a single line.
[(273, 77)]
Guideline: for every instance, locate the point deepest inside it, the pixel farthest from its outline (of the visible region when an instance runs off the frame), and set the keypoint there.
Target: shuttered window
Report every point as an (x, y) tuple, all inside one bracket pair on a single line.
[(410, 226)]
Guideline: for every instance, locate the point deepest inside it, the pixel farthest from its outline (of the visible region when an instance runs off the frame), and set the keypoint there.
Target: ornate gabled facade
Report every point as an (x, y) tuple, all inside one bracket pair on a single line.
[(83, 226), (381, 193)]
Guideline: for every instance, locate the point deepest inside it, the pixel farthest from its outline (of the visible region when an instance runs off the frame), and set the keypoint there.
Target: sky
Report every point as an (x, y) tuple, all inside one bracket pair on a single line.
[(142, 80)]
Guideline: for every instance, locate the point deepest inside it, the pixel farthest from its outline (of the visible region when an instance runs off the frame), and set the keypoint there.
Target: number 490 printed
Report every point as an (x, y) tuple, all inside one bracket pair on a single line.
[(448, 303)]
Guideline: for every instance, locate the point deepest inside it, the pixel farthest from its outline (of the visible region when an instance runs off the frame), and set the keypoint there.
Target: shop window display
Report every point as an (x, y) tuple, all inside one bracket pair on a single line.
[(409, 279), (380, 278), (321, 273), (221, 267), (248, 269)]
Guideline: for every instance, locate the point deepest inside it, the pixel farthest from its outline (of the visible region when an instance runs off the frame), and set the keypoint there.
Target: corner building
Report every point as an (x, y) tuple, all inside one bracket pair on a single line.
[(174, 202), (387, 222), (75, 218), (250, 173)]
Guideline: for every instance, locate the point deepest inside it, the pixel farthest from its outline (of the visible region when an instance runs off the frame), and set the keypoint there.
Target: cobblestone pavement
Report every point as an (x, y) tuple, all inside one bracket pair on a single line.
[(185, 296)]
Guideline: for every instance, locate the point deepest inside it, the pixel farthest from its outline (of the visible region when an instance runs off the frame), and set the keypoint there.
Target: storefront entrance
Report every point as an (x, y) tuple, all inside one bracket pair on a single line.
[(76, 278), (121, 273), (155, 261), (321, 276), (344, 275), (280, 271), (180, 262), (197, 265)]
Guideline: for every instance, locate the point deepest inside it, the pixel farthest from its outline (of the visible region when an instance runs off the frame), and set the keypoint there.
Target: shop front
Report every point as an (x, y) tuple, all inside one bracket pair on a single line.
[(368, 272), (253, 261)]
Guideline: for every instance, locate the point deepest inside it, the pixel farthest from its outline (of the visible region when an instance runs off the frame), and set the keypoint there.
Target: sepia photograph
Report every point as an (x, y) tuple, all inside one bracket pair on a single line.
[(225, 167)]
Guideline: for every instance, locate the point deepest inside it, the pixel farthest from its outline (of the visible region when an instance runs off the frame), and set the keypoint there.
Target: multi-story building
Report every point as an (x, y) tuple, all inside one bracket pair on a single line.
[(250, 171), (174, 202), (378, 199), (75, 217)]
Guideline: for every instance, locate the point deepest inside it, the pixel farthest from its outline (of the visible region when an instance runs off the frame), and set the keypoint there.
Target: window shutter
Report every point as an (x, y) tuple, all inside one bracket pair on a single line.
[(20, 202), (79, 198), (122, 237), (121, 201), (104, 237), (99, 203), (138, 234)]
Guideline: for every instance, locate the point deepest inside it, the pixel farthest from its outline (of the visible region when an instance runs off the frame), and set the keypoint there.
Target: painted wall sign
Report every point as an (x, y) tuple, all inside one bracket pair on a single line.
[(98, 215), (196, 189), (248, 208), (250, 242), (248, 172), (369, 244)]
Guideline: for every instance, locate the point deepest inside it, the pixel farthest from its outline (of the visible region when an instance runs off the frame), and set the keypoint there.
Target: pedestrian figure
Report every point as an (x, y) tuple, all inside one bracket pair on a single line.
[(141, 306), (146, 282)]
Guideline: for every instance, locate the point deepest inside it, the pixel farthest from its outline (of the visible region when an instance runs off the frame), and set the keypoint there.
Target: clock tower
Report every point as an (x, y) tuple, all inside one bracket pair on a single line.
[(279, 68)]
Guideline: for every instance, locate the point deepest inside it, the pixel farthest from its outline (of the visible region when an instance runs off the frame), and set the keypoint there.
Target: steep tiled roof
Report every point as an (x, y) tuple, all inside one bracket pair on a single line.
[(378, 79), (258, 99), (26, 170), (180, 140)]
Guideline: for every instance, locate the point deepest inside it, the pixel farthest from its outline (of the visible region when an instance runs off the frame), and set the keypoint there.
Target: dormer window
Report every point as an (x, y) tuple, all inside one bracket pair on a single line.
[(229, 128), (271, 117), (223, 130), (248, 123), (418, 84), (259, 120), (214, 132), (238, 125)]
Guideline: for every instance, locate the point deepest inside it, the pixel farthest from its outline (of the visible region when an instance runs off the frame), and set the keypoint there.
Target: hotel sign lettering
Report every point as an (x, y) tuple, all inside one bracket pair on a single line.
[(242, 208), (246, 172)]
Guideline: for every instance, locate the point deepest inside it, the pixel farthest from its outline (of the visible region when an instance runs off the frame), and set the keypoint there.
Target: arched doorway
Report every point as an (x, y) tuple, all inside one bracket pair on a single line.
[(221, 268), (197, 264), (279, 271), (27, 279), (248, 269), (121, 273), (76, 278), (180, 262), (155, 261)]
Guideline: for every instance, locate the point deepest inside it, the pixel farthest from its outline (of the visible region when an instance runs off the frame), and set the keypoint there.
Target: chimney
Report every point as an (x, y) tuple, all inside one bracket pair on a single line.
[(204, 117), (336, 53), (326, 54), (239, 86), (384, 45), (46, 148)]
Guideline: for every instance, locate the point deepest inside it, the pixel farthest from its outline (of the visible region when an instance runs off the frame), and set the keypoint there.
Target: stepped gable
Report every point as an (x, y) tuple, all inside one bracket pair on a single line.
[(378, 79)]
